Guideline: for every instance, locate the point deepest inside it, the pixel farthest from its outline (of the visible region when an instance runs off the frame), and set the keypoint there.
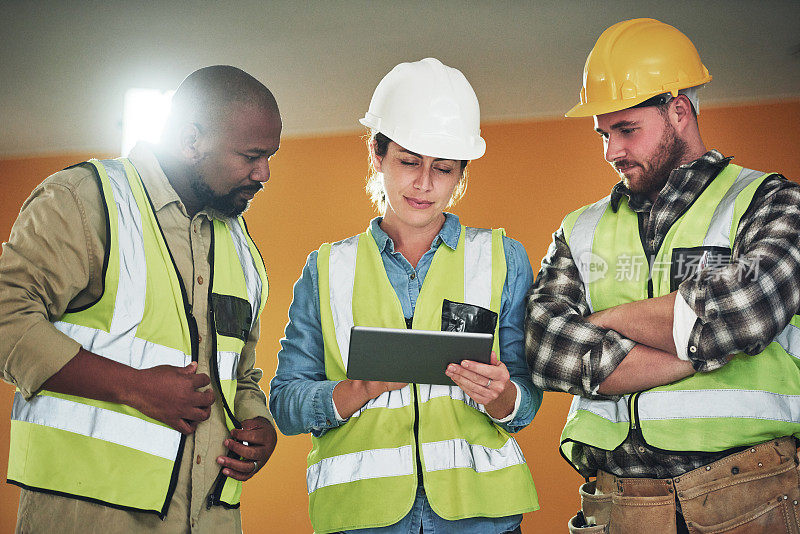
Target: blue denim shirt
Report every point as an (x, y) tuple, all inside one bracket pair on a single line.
[(301, 398)]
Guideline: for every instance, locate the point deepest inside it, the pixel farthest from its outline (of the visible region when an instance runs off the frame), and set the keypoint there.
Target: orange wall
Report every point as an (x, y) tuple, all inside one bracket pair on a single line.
[(533, 173)]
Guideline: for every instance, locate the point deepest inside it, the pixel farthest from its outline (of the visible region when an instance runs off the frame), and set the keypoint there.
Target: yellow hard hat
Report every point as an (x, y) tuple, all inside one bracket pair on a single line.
[(635, 60)]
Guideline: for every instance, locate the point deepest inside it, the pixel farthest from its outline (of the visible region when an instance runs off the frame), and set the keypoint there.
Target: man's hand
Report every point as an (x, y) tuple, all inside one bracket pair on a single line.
[(489, 385), (254, 442), (170, 395), (165, 393)]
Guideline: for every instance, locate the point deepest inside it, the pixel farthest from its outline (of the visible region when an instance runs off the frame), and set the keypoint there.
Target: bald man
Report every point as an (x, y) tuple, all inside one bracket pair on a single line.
[(130, 297)]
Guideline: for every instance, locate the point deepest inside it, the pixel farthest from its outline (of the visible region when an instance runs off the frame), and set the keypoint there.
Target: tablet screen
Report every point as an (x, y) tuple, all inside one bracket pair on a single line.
[(419, 356)]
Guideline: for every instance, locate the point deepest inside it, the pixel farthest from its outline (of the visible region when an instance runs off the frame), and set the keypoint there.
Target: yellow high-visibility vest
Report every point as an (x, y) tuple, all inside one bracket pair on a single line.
[(111, 453), (364, 472)]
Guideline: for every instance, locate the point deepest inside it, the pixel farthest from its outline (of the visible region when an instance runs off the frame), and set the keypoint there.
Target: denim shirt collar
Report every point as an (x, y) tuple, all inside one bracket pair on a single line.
[(449, 234)]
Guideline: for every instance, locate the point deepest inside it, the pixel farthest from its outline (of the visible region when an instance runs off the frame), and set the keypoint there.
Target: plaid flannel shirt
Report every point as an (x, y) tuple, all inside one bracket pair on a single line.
[(735, 313)]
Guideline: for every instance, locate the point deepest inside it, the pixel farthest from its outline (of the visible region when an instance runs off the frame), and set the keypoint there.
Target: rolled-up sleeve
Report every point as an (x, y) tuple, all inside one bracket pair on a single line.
[(301, 397), (53, 260), (565, 352), (743, 305)]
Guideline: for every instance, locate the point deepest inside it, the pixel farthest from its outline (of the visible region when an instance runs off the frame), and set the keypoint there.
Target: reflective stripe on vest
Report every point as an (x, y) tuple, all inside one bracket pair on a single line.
[(374, 463), (99, 423), (728, 403), (758, 388), (789, 339), (719, 230), (612, 411), (228, 363), (252, 277), (458, 453), (580, 242), (402, 397), (440, 455), (342, 277)]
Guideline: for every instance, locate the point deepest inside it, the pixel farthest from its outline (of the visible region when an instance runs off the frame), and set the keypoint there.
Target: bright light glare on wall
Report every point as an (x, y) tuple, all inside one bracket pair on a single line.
[(143, 116)]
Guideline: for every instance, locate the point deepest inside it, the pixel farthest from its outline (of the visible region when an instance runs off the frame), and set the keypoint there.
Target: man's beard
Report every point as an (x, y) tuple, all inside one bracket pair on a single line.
[(655, 171), (230, 204)]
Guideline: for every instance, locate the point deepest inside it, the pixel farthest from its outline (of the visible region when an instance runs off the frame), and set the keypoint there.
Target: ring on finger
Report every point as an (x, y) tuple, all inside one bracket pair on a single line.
[(255, 466), (489, 383)]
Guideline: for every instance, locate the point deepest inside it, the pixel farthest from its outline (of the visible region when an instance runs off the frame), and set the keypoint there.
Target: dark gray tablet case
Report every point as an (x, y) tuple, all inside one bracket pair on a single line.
[(404, 355)]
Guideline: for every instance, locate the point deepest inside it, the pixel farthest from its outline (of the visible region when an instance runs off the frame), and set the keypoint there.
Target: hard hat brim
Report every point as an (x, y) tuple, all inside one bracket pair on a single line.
[(590, 109), (433, 145)]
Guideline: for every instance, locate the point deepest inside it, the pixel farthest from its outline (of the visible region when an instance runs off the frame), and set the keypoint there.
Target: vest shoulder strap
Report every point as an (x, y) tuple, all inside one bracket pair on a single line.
[(722, 230)]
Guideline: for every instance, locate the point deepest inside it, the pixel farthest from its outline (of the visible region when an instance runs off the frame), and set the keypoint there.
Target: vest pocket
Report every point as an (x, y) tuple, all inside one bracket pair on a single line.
[(687, 263), (462, 317), (232, 316)]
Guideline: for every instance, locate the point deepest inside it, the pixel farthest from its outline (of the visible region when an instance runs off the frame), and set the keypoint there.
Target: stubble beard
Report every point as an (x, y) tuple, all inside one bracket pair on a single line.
[(667, 157), (228, 204)]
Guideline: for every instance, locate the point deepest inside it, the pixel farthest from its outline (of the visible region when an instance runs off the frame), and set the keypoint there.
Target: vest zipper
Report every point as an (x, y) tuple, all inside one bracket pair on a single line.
[(194, 332), (632, 411), (415, 392), (219, 482), (416, 436), (648, 254)]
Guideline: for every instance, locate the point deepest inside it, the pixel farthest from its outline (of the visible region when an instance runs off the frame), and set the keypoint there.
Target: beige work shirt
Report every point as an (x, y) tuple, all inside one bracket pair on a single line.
[(54, 260)]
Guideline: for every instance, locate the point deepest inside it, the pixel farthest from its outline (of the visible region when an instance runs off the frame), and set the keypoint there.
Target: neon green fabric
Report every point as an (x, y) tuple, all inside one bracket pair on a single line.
[(666, 415), (385, 429)]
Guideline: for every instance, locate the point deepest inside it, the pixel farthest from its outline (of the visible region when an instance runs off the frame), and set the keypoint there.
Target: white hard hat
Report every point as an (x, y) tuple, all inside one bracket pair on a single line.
[(428, 108)]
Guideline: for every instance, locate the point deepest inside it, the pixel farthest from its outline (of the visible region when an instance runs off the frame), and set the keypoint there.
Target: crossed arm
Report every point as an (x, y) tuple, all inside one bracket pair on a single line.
[(652, 361), (620, 350)]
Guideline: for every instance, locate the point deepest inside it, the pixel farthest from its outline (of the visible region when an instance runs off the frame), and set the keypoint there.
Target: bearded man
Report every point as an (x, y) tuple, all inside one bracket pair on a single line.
[(669, 310), (130, 300)]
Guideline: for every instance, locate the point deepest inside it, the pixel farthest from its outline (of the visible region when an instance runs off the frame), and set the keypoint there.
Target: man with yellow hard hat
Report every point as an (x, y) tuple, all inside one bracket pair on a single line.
[(669, 309)]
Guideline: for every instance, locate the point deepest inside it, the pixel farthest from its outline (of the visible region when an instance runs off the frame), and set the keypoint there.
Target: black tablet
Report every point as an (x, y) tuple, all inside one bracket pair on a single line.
[(419, 356)]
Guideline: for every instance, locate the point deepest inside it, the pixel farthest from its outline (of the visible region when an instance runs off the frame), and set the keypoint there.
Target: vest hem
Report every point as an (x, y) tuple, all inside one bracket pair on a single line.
[(489, 516), (727, 451), (715, 454), (161, 514)]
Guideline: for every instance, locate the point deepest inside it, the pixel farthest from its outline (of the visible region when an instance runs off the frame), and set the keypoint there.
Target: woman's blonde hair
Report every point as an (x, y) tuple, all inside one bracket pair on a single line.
[(375, 185)]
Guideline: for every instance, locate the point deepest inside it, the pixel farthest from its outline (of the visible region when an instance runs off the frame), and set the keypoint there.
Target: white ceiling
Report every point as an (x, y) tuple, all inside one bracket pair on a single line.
[(65, 65)]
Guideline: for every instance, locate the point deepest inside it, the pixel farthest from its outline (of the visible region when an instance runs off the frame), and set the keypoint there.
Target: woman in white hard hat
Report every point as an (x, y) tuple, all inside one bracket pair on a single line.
[(395, 457)]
